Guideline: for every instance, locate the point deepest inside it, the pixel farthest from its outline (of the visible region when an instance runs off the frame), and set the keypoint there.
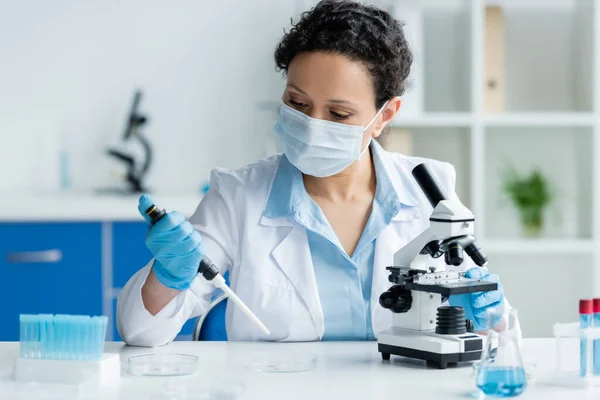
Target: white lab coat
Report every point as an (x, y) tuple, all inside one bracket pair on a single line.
[(269, 259)]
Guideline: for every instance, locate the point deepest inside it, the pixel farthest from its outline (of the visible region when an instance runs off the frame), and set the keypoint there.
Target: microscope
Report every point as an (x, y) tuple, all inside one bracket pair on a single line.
[(135, 173), (422, 328)]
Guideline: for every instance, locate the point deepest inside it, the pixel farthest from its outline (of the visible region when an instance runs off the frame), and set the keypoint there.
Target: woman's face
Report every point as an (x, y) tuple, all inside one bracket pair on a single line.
[(331, 87)]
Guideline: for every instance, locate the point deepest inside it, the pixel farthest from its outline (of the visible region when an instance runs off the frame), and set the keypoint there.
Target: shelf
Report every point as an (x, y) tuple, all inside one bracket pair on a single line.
[(544, 56), (450, 144), (445, 57), (534, 4), (564, 156), (507, 119), (540, 119), (537, 246), (432, 120)]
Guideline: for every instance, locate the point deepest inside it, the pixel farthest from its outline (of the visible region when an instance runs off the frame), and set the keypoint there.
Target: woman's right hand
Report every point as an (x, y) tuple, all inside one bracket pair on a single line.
[(176, 247)]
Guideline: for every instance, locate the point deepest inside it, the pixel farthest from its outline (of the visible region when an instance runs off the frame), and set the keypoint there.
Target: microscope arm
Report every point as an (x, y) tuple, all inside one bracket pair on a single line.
[(411, 250)]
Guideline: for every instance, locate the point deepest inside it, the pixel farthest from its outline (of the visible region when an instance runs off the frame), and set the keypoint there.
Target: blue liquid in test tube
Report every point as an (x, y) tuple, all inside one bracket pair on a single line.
[(596, 350), (585, 321)]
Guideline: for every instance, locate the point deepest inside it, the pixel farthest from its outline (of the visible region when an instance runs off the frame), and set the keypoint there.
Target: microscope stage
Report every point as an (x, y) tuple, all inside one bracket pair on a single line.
[(451, 288), (429, 346)]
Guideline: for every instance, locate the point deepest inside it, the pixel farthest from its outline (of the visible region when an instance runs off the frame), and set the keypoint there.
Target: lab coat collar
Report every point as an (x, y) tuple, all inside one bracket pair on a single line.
[(285, 195), (395, 189), (402, 179)]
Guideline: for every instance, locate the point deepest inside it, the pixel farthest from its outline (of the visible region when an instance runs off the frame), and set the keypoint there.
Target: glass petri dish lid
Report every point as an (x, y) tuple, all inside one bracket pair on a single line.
[(163, 364)]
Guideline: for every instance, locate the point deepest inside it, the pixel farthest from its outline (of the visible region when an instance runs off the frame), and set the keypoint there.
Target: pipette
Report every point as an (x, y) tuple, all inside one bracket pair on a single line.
[(211, 273)]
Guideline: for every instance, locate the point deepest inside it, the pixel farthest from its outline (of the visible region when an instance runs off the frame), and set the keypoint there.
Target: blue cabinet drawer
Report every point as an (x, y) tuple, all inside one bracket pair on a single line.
[(48, 268), (129, 250)]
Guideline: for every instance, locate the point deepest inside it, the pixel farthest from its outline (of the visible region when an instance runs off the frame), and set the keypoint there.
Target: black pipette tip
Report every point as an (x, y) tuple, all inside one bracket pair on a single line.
[(155, 214)]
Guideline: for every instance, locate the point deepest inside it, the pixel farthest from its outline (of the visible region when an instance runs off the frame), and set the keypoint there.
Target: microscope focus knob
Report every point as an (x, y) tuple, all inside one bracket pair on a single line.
[(397, 299)]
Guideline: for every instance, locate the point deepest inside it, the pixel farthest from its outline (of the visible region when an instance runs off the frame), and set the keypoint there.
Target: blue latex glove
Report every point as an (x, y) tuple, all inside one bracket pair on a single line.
[(477, 304), (176, 247)]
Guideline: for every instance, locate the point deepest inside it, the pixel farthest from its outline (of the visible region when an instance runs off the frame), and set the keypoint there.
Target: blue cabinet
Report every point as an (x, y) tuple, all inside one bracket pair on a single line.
[(129, 251), (48, 268), (56, 268), (129, 255)]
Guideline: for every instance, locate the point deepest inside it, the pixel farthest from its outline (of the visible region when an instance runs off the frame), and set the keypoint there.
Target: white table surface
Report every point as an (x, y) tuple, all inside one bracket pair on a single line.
[(346, 370)]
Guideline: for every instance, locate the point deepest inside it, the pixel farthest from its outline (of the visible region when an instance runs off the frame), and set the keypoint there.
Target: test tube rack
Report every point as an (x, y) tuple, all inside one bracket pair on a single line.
[(573, 378), (61, 379)]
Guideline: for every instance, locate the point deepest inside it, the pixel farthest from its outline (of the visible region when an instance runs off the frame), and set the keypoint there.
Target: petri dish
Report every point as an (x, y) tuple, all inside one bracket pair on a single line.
[(283, 362), (163, 364)]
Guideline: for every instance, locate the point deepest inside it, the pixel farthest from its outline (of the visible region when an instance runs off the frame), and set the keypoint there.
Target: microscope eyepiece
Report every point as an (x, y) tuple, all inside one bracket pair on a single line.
[(428, 184)]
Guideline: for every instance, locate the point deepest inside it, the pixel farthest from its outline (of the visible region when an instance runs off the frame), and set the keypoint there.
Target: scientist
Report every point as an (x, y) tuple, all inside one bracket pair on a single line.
[(307, 235)]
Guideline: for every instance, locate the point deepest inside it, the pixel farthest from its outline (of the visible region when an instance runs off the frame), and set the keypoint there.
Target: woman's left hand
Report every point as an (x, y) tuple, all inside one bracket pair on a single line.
[(477, 304)]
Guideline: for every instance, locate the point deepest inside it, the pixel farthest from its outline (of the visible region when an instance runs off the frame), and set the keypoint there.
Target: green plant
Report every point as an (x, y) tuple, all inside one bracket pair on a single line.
[(530, 194)]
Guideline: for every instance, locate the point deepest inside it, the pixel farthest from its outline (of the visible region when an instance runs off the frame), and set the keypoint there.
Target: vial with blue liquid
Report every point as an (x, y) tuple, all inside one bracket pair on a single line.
[(586, 316), (596, 343), (501, 373)]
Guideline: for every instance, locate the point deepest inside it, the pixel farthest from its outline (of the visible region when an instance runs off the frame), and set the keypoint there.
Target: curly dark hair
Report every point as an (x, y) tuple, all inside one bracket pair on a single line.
[(361, 33)]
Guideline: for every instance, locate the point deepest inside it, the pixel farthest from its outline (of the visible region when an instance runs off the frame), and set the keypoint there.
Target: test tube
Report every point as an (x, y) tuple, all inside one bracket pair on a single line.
[(585, 322), (596, 350)]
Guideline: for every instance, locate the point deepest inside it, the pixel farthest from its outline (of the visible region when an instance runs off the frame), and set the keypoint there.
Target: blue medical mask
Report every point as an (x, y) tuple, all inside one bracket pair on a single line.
[(318, 147)]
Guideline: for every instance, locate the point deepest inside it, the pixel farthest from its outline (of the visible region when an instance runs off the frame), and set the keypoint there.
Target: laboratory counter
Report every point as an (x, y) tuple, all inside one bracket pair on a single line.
[(87, 206), (344, 370)]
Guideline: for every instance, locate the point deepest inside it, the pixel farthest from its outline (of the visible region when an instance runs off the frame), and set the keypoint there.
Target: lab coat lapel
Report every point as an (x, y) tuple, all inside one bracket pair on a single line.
[(293, 257), (397, 234)]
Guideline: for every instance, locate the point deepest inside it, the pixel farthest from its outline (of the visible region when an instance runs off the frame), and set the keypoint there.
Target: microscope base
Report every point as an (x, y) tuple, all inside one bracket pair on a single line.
[(429, 346)]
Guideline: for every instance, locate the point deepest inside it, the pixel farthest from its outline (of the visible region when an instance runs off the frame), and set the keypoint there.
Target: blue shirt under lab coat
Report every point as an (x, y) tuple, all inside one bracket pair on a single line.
[(344, 282)]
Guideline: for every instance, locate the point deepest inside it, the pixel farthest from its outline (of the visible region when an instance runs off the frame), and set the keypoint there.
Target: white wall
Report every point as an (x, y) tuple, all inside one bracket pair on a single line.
[(68, 70), (544, 288)]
